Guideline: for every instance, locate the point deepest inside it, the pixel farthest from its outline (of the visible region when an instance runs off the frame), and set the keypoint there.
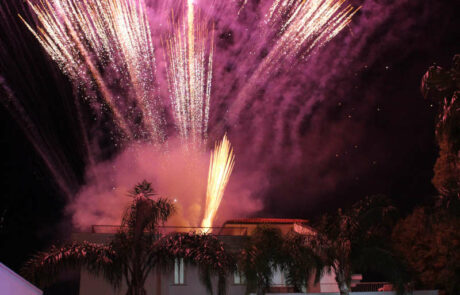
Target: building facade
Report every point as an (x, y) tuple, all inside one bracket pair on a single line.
[(184, 279)]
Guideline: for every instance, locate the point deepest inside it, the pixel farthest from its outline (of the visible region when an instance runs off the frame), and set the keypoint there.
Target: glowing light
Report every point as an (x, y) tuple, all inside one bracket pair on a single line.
[(309, 24), (112, 38), (220, 168), (302, 27), (190, 54), (83, 35)]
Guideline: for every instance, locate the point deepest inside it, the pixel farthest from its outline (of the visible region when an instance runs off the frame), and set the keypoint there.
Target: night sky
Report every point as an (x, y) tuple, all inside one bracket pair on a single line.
[(368, 129)]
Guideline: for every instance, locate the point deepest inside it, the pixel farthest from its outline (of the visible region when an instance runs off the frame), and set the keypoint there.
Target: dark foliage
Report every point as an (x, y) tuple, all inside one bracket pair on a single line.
[(429, 241), (136, 250), (269, 250), (443, 86), (358, 240)]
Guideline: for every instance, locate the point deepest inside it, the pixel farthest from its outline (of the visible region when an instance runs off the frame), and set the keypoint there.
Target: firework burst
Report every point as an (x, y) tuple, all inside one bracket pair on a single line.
[(82, 36), (107, 45), (309, 24), (301, 27), (190, 54), (220, 168)]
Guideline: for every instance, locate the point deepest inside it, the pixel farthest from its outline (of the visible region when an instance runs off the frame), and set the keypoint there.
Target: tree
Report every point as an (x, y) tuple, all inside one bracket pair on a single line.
[(260, 257), (443, 87), (268, 250), (429, 241), (137, 248), (301, 260), (358, 240)]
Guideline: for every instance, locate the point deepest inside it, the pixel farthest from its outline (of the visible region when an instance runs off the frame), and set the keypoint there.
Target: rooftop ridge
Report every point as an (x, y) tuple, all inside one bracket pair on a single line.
[(257, 220)]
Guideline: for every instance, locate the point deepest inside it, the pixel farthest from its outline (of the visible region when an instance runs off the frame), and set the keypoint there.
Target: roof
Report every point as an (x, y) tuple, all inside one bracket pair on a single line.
[(265, 220)]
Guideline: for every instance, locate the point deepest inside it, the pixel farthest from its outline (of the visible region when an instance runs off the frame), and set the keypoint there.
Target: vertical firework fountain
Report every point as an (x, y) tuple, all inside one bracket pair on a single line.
[(117, 34), (220, 169)]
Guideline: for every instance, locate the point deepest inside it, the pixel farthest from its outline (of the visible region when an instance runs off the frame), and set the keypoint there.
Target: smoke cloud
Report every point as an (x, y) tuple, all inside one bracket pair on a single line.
[(303, 131), (179, 174), (310, 132)]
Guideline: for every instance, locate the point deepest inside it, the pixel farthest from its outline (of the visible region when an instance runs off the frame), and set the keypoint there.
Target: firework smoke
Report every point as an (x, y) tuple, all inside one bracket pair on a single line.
[(220, 168), (302, 27), (179, 175), (108, 46)]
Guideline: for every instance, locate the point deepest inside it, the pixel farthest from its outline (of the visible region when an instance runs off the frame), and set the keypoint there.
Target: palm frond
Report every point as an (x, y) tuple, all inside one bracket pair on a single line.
[(261, 256), (143, 189), (301, 260), (146, 215), (45, 267), (202, 250)]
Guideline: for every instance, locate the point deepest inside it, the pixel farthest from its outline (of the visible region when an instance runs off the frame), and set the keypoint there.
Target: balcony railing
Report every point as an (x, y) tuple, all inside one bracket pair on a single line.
[(219, 231), (372, 287)]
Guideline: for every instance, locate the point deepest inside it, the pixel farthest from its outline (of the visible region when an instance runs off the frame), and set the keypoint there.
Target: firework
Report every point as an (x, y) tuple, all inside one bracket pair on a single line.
[(108, 44), (220, 168), (81, 36), (309, 24), (189, 54), (301, 27)]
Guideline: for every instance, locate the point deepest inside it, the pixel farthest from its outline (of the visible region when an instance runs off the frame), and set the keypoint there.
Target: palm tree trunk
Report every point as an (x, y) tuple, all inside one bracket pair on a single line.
[(136, 289), (342, 278), (136, 285), (344, 290)]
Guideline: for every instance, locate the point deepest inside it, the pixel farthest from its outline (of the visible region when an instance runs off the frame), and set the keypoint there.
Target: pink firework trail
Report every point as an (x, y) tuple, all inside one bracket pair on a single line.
[(83, 36)]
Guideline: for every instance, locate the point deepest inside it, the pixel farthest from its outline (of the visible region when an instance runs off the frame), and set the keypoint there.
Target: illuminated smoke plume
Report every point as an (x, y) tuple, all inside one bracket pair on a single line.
[(220, 168), (179, 175)]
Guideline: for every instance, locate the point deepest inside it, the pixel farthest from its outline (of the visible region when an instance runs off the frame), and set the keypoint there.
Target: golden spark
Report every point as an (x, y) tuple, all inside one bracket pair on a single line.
[(220, 168), (190, 54), (303, 27), (81, 35)]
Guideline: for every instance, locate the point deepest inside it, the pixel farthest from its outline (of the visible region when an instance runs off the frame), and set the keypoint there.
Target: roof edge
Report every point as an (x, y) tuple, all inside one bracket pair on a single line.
[(260, 220)]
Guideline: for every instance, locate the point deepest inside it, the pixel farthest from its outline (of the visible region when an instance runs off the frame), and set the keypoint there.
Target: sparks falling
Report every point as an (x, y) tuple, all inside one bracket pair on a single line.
[(220, 168), (301, 27), (190, 55), (309, 24), (82, 36), (107, 46)]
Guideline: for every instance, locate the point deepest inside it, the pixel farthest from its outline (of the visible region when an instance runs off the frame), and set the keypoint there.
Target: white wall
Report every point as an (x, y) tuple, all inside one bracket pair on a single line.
[(92, 285), (13, 284)]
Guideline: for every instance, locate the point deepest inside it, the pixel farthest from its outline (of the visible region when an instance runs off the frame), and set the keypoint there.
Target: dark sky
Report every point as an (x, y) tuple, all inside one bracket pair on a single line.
[(369, 133)]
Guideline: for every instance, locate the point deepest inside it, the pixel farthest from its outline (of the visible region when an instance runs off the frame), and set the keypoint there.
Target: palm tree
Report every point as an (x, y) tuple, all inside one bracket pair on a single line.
[(359, 239), (268, 250), (137, 248), (301, 260), (260, 257)]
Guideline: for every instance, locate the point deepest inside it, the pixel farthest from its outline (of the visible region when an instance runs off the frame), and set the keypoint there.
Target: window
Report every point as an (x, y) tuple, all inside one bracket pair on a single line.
[(179, 271), (238, 278), (278, 278)]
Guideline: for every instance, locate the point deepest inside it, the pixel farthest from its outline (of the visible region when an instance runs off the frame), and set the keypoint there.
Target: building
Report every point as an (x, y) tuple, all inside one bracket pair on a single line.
[(184, 279)]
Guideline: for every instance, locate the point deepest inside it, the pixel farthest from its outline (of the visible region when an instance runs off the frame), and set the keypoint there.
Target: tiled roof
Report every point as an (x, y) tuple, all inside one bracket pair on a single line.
[(265, 220)]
